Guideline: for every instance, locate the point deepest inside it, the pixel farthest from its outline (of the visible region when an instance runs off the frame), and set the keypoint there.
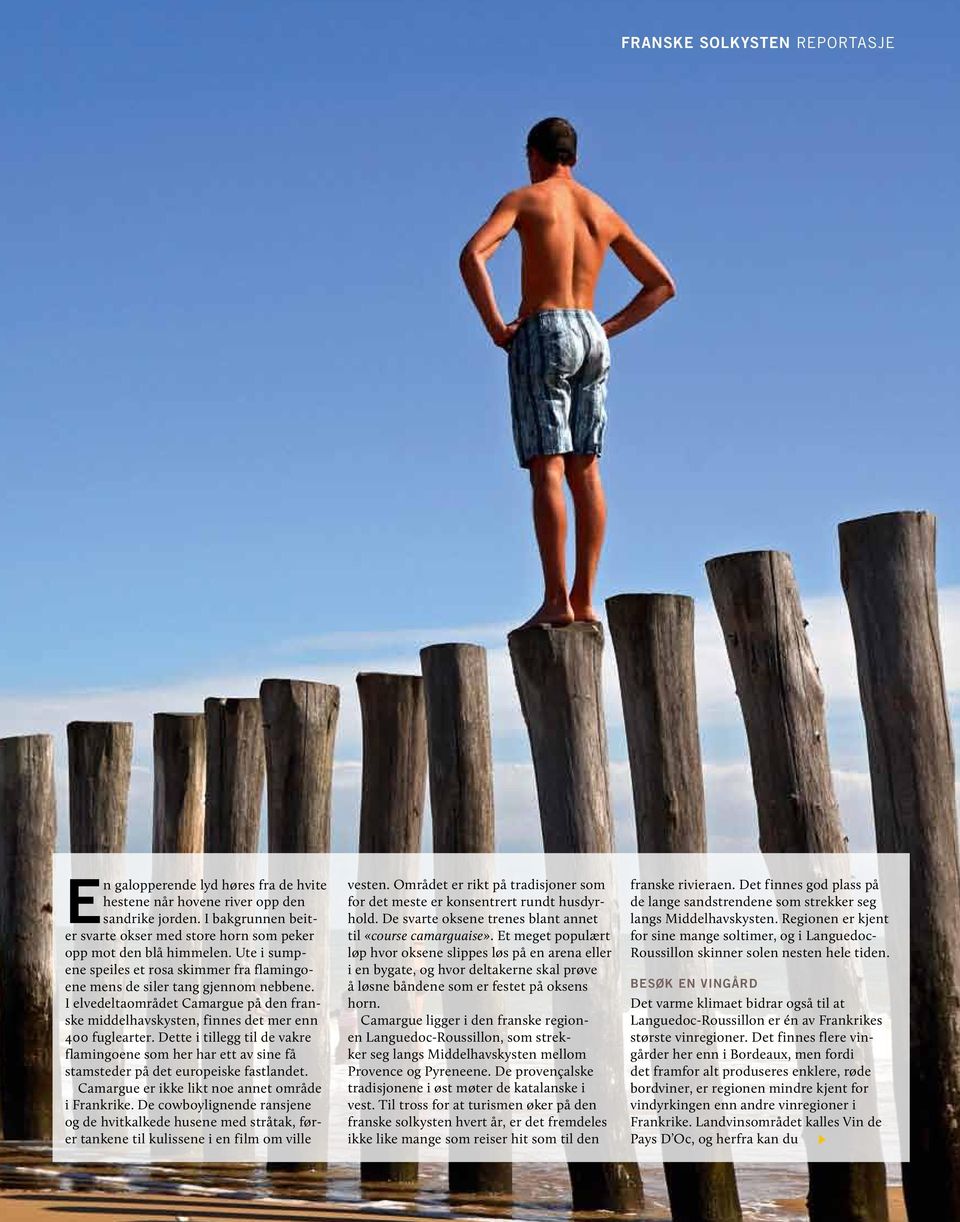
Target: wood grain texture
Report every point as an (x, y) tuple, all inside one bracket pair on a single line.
[(393, 790), (299, 726), (235, 771), (558, 676), (460, 763), (782, 702), (179, 772), (781, 699), (459, 750), (652, 638), (100, 755), (299, 729), (28, 830), (394, 784), (888, 573), (558, 673)]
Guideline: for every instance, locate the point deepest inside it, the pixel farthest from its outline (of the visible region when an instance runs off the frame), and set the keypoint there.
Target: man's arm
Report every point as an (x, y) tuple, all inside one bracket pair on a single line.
[(658, 286), (473, 267)]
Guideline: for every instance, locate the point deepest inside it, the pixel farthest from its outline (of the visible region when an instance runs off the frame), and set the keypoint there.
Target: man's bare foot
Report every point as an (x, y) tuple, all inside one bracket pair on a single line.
[(584, 613), (551, 614)]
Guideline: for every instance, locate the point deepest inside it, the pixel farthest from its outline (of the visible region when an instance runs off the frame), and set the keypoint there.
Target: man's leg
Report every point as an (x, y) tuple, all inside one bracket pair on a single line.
[(550, 523), (590, 509)]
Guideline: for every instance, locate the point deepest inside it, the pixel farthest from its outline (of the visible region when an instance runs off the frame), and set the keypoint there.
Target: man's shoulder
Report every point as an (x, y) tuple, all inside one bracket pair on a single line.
[(532, 199), (595, 201), (516, 201), (518, 196)]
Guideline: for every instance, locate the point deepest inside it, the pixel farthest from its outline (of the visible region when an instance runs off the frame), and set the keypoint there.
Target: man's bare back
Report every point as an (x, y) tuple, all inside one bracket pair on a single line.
[(564, 232), (558, 371)]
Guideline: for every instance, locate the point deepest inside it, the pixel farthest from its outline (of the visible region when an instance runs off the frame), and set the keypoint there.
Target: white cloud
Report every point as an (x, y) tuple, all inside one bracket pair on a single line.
[(340, 642)]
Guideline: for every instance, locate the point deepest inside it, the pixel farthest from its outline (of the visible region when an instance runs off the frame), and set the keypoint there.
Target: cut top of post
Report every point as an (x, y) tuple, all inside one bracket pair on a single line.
[(558, 677), (578, 629)]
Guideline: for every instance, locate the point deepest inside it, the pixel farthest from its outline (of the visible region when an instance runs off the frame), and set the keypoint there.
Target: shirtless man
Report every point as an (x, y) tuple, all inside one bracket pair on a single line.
[(558, 350)]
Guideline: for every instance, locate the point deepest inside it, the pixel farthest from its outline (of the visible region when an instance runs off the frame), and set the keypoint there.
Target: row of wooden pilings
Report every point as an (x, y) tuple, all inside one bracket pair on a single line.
[(210, 769)]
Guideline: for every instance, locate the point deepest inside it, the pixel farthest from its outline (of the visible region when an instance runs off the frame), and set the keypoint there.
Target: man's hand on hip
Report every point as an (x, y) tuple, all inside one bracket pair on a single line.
[(504, 334)]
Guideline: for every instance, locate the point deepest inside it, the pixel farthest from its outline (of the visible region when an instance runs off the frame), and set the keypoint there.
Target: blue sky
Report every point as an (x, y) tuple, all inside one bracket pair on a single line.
[(246, 403)]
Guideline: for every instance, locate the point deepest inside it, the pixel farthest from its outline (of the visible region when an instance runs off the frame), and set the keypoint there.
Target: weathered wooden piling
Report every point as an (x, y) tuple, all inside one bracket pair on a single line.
[(781, 699), (299, 729), (393, 788), (179, 774), (888, 573), (100, 754), (652, 638), (557, 671), (460, 761), (459, 750), (235, 771), (28, 829), (394, 762), (179, 766), (558, 677)]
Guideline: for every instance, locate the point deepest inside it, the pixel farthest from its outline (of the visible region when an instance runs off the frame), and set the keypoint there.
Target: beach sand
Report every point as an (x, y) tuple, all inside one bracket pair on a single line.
[(52, 1205), (898, 1212), (35, 1205)]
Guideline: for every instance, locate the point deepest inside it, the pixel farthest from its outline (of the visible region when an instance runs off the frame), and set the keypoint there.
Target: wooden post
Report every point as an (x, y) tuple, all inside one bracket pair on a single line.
[(557, 672), (558, 677), (782, 702), (460, 755), (299, 728), (781, 698), (393, 789), (888, 572), (653, 640), (461, 803), (178, 776), (179, 769), (235, 768), (299, 731), (100, 755), (28, 830), (394, 762)]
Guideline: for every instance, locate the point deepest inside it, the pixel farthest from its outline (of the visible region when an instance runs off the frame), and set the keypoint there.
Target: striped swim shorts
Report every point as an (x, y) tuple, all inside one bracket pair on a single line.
[(558, 362)]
